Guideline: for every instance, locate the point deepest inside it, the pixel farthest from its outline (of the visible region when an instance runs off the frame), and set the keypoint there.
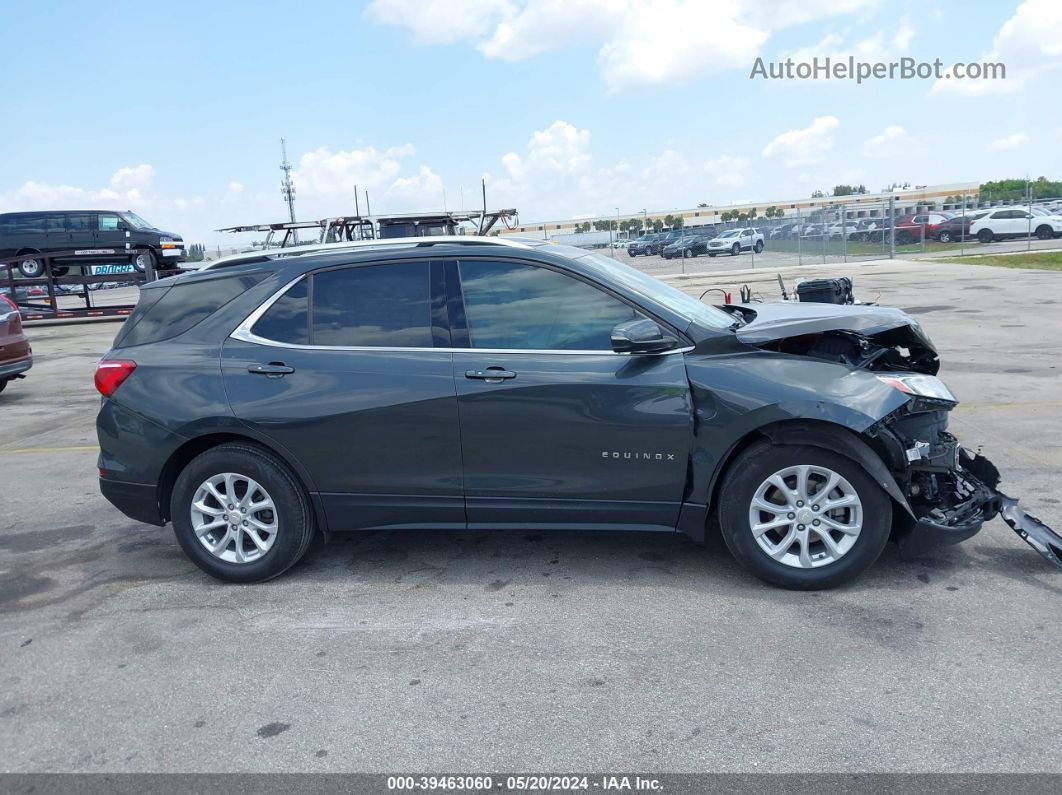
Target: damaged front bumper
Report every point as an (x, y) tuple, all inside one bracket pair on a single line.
[(978, 501), (951, 492)]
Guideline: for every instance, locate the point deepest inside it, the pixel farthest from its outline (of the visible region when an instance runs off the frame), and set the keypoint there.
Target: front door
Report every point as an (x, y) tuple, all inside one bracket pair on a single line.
[(360, 391), (556, 429)]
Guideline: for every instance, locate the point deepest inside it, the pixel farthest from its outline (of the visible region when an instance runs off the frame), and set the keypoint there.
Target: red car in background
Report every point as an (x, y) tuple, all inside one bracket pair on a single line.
[(16, 356), (910, 228)]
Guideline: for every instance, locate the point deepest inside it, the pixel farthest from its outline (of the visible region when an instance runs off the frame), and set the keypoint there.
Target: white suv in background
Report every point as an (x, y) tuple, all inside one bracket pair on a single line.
[(1015, 222), (734, 241)]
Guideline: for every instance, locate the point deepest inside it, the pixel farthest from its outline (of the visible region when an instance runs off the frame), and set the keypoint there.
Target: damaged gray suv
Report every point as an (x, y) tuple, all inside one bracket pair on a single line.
[(458, 383)]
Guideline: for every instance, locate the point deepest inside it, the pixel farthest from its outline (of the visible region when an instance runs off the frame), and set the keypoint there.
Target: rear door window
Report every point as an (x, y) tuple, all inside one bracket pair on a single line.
[(288, 319), (387, 305)]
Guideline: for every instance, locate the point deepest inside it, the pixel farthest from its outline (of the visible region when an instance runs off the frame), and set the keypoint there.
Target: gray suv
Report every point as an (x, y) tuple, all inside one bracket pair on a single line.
[(463, 383)]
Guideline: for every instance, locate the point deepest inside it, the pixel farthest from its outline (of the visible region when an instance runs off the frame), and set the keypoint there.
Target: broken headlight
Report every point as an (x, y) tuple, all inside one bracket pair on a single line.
[(927, 386)]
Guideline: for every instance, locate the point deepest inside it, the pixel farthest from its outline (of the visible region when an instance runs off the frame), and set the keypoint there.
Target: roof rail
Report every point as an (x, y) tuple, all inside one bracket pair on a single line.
[(329, 248)]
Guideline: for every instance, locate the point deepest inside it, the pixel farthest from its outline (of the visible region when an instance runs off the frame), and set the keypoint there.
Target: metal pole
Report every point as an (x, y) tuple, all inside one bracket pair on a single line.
[(844, 231), (962, 228), (892, 227), (1028, 211), (800, 234)]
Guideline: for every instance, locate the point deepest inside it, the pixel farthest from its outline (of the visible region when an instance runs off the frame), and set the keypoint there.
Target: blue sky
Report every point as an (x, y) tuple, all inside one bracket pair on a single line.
[(568, 108)]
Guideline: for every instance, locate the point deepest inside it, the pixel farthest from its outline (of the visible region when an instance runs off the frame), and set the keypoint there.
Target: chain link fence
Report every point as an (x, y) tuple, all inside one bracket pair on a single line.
[(832, 230)]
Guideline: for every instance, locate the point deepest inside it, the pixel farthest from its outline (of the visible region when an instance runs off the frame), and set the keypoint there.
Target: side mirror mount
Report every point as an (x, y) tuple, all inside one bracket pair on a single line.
[(641, 336)]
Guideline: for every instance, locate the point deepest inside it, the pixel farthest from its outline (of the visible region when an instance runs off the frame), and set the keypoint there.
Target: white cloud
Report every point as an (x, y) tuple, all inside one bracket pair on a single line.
[(128, 188), (1008, 142), (1029, 44), (235, 188), (888, 143), (440, 21), (804, 146), (872, 49), (640, 42), (727, 171)]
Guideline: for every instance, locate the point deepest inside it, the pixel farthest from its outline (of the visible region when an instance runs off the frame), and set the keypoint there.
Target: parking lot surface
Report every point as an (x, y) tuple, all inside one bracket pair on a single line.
[(480, 651)]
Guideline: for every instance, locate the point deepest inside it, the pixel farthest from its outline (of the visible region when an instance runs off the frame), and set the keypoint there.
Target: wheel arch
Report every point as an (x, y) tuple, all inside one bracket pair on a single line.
[(181, 457), (869, 453)]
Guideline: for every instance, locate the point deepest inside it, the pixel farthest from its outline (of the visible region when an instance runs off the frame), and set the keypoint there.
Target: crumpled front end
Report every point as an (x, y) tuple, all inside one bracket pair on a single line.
[(949, 492)]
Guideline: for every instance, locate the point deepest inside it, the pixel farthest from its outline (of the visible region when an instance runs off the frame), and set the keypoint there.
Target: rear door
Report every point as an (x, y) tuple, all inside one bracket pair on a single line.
[(556, 429), (348, 371)]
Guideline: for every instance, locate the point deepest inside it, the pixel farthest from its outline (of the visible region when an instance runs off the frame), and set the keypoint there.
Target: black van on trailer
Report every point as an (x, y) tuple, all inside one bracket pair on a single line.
[(96, 236)]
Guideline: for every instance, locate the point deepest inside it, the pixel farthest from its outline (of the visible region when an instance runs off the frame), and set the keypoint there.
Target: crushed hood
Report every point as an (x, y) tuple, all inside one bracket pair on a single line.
[(782, 319)]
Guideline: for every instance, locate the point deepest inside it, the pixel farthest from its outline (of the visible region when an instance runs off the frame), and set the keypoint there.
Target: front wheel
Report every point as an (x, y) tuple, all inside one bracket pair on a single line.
[(143, 259), (802, 517), (31, 268), (735, 249), (710, 254), (240, 515), (688, 253)]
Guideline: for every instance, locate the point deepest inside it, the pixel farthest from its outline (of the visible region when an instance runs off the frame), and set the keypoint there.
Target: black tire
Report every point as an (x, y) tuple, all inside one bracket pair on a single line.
[(758, 247), (3, 384), (710, 254), (735, 249), (688, 253), (1045, 232), (143, 259), (758, 463), (944, 236), (985, 236), (904, 239), (294, 515), (31, 268)]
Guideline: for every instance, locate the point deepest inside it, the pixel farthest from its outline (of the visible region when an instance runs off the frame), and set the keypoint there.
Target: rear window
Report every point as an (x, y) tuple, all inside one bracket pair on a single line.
[(179, 308)]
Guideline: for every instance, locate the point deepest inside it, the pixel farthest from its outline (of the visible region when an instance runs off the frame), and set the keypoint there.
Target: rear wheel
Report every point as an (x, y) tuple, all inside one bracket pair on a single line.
[(688, 253), (904, 238), (758, 247), (1045, 232), (802, 517), (240, 515), (986, 236), (944, 236)]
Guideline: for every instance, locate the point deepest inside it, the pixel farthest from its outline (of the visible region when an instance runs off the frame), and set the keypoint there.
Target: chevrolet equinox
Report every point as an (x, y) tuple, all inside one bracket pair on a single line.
[(484, 383)]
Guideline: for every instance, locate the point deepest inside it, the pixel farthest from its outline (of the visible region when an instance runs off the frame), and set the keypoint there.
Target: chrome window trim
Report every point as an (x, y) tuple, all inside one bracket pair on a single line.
[(244, 334)]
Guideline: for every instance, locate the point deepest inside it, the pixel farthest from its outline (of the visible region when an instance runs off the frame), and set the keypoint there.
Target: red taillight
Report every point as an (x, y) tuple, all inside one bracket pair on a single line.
[(111, 373), (9, 302)]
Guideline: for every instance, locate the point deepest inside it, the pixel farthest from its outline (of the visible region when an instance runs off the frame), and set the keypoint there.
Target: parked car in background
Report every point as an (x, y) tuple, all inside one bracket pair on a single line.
[(16, 355), (641, 245), (784, 232), (89, 231), (734, 241), (911, 228), (957, 227), (1013, 222), (689, 246)]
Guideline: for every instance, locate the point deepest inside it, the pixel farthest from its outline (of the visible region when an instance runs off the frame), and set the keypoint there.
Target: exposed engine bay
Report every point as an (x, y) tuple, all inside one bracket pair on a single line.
[(949, 491)]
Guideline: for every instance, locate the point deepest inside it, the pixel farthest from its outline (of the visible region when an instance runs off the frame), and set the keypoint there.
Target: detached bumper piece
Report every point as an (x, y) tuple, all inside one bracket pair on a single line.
[(1030, 529)]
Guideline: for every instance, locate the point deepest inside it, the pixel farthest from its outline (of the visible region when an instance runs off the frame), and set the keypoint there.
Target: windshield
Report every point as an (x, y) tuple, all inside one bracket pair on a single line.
[(136, 221), (664, 294), (731, 233)]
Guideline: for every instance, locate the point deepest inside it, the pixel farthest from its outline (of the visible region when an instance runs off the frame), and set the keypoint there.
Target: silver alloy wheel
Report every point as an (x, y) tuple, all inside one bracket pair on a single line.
[(806, 516), (234, 518), (142, 260)]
